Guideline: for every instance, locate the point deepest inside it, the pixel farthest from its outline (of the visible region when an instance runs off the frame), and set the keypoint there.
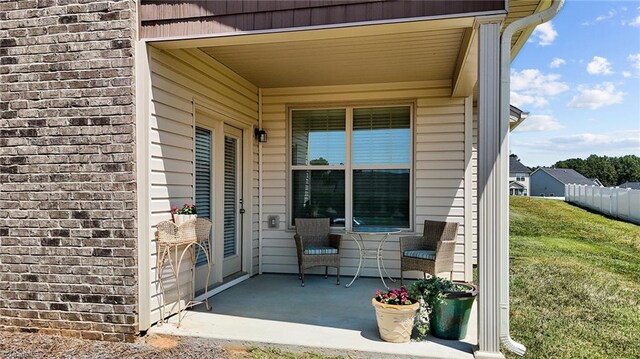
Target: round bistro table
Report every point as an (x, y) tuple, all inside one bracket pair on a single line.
[(358, 234)]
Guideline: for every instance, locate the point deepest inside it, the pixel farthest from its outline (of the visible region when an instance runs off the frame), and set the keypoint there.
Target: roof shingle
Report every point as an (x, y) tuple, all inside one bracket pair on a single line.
[(516, 166), (568, 176), (632, 185)]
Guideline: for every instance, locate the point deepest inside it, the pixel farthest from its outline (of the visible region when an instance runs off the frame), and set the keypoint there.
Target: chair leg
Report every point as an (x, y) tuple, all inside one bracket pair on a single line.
[(302, 275), (299, 271), (326, 272), (401, 278), (424, 274), (338, 276)]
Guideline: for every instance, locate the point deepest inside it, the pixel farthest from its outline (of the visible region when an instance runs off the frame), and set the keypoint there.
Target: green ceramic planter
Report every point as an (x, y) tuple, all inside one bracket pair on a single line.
[(450, 319)]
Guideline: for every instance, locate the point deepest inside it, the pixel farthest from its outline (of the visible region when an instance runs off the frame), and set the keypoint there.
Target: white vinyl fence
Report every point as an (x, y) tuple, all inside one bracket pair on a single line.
[(617, 202)]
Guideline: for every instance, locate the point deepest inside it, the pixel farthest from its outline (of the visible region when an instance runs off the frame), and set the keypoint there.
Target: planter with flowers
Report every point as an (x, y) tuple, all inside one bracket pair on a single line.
[(186, 213), (445, 307), (395, 313)]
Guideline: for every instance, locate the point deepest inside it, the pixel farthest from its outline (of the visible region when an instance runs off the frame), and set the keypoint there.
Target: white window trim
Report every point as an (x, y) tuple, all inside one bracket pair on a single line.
[(348, 167)]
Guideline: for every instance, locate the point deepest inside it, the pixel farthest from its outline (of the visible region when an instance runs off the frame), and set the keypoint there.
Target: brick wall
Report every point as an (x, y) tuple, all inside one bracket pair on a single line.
[(67, 162)]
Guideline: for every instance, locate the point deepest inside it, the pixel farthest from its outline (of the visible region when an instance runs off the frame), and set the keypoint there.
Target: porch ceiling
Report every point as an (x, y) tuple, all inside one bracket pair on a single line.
[(394, 57)]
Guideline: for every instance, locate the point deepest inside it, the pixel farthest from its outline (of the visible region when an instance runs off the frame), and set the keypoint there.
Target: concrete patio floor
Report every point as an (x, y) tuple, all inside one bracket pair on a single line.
[(273, 309)]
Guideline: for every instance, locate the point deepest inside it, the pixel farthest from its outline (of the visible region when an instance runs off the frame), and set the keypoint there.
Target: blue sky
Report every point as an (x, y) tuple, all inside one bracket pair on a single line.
[(579, 78)]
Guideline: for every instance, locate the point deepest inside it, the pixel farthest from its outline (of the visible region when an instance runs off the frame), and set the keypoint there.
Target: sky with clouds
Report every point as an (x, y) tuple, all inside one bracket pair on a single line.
[(579, 79)]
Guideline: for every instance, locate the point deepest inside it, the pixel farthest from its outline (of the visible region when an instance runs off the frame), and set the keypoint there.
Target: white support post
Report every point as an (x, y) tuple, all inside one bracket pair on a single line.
[(489, 188)]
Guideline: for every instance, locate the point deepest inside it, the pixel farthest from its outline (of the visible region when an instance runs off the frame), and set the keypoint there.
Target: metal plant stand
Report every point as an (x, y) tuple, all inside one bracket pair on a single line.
[(173, 243)]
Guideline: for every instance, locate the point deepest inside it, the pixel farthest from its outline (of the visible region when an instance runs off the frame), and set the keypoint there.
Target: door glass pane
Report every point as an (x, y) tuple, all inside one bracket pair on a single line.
[(382, 136), (381, 198), (319, 193), (230, 195), (318, 137), (203, 182)]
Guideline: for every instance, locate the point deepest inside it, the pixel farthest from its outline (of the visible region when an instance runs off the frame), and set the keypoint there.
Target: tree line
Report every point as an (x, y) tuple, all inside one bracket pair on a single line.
[(611, 171)]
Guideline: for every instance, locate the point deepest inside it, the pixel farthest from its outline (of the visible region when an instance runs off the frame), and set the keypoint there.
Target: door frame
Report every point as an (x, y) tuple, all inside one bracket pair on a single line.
[(220, 118)]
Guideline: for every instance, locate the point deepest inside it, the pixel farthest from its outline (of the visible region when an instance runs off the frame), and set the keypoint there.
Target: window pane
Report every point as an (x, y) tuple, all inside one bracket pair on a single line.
[(318, 137), (381, 136), (381, 198), (319, 194)]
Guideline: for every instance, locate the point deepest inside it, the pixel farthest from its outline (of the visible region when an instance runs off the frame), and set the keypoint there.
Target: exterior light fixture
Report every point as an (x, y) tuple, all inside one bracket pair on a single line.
[(260, 135)]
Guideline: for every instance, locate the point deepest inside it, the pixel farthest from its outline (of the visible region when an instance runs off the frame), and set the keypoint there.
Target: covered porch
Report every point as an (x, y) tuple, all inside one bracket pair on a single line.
[(273, 310), (434, 82)]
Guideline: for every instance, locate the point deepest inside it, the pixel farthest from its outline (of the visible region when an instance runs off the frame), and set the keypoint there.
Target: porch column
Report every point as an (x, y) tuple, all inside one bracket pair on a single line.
[(489, 189)]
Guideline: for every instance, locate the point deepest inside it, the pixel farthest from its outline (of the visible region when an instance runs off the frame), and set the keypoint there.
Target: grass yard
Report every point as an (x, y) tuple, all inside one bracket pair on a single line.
[(575, 282)]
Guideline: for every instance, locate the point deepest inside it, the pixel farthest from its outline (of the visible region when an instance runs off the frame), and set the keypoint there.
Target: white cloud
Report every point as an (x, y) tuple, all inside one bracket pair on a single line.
[(557, 62), (599, 66), (539, 123), (532, 87), (545, 34), (591, 141), (635, 60), (604, 94), (610, 14), (610, 144), (635, 22)]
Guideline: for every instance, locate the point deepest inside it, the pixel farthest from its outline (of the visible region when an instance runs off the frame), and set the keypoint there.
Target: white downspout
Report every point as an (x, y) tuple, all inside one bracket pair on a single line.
[(260, 214), (505, 65)]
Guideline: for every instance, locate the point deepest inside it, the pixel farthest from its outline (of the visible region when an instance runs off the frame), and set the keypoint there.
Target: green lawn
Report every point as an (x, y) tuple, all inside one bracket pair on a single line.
[(575, 282)]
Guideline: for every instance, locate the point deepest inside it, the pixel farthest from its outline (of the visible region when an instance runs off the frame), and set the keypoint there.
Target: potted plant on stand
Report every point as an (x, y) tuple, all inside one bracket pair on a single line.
[(395, 314), (186, 213), (445, 307)]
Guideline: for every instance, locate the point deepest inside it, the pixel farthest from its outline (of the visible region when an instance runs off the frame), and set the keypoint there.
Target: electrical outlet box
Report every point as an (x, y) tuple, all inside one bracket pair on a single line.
[(273, 221)]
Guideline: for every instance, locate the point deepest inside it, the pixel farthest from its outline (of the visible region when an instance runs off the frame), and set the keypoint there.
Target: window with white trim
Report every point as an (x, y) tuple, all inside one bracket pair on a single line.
[(352, 165)]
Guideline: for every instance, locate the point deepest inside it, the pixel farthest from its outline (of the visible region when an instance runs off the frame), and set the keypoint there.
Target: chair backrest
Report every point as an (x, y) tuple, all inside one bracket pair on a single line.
[(436, 231), (313, 231)]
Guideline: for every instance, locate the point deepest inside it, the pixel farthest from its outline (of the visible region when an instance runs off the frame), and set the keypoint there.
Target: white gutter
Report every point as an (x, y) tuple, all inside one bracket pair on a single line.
[(260, 184), (505, 65)]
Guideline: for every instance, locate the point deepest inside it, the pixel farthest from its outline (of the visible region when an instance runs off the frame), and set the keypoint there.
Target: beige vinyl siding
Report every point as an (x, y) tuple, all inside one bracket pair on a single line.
[(177, 77), (438, 170)]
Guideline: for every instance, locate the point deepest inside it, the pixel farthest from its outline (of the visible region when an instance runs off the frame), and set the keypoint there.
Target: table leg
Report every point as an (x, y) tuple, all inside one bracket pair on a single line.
[(361, 255), (184, 251), (379, 260), (382, 242)]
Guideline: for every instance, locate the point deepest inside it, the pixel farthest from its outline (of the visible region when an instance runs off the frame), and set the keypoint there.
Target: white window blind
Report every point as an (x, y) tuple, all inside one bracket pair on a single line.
[(203, 182)]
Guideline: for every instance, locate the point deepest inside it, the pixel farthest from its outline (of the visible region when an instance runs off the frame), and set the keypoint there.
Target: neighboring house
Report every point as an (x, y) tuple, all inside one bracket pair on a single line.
[(632, 185), (519, 177), (108, 107), (549, 182)]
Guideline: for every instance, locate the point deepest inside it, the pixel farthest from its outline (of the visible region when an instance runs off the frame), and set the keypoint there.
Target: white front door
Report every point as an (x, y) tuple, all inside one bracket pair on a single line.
[(233, 209)]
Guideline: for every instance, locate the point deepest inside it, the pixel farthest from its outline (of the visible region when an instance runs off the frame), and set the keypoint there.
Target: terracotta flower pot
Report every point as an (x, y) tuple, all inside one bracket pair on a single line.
[(395, 322), (178, 219)]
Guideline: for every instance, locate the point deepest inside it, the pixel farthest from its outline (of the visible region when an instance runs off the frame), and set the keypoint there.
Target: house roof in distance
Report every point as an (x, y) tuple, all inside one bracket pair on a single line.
[(516, 166), (568, 176), (632, 185), (514, 184)]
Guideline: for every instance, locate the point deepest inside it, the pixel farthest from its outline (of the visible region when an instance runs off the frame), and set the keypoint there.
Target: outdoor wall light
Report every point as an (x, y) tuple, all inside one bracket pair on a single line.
[(260, 134)]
